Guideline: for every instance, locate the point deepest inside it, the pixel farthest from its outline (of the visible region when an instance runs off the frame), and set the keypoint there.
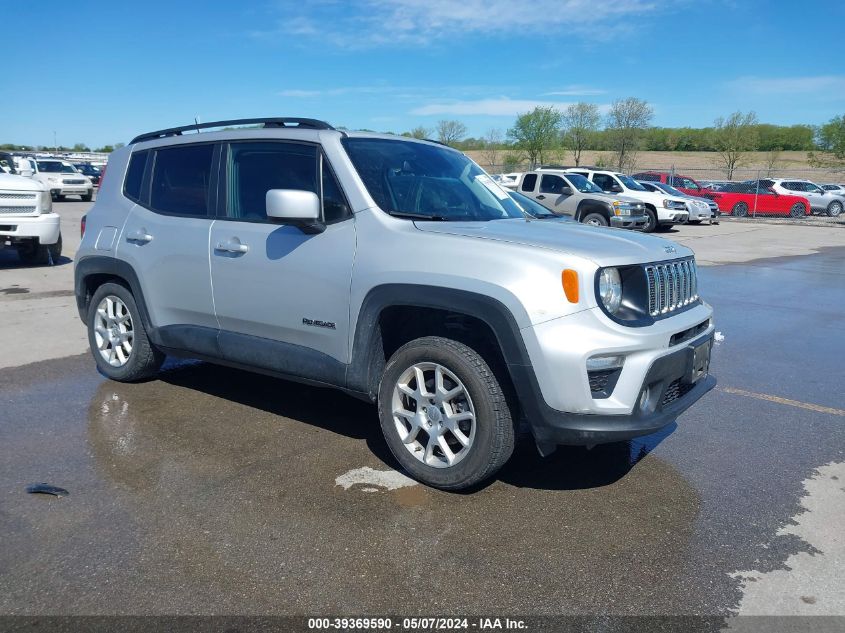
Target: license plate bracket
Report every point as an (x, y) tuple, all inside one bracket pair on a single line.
[(699, 361)]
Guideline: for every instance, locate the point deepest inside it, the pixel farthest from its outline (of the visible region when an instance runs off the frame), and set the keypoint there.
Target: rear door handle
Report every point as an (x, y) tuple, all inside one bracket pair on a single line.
[(139, 235), (541, 197), (232, 245)]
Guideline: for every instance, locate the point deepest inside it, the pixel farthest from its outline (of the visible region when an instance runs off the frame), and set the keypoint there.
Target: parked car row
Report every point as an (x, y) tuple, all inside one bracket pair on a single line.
[(769, 196)]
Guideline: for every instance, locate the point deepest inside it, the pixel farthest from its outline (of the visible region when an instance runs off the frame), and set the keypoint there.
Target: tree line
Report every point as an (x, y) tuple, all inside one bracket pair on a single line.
[(549, 133)]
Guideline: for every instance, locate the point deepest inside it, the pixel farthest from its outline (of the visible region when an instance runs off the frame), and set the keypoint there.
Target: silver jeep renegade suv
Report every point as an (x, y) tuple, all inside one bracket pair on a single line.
[(397, 271)]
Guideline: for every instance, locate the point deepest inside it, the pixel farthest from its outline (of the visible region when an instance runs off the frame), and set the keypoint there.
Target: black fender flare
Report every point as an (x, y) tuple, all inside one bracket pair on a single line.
[(113, 267), (364, 371), (587, 206)]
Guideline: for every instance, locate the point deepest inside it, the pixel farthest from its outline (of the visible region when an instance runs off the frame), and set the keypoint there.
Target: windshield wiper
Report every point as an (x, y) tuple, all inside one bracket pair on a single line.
[(417, 216)]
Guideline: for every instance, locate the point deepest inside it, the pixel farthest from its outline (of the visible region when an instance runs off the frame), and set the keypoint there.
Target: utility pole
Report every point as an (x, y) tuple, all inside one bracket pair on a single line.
[(55, 146)]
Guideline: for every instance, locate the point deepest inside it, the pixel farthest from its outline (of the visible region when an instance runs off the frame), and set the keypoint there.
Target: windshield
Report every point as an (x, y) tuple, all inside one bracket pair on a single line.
[(55, 167), (669, 189), (417, 180), (582, 184), (534, 209), (630, 183)]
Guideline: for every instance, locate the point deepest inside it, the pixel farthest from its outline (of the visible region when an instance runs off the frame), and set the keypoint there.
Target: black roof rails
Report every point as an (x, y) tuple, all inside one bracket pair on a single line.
[(294, 122)]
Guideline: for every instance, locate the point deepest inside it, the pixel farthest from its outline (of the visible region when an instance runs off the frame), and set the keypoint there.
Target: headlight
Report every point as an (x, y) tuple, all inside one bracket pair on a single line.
[(54, 180), (610, 289), (673, 204), (46, 202)]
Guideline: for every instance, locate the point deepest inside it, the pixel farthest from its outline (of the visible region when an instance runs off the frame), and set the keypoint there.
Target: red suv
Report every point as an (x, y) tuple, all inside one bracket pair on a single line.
[(683, 183)]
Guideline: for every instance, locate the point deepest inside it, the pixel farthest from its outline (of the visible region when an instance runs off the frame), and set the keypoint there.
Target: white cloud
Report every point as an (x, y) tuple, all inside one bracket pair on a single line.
[(374, 23), (831, 85), (500, 106), (575, 91)]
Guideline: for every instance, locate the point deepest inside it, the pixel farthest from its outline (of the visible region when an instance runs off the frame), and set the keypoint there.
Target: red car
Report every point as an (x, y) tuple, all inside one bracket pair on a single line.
[(683, 183), (741, 199)]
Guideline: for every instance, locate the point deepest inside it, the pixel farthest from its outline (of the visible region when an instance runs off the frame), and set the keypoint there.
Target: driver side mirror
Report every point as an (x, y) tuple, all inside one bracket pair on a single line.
[(615, 188), (566, 191), (296, 207)]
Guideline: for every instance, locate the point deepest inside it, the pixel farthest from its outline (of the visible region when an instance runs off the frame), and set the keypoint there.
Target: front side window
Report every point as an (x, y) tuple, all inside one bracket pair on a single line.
[(181, 180), (552, 184), (424, 181), (257, 167)]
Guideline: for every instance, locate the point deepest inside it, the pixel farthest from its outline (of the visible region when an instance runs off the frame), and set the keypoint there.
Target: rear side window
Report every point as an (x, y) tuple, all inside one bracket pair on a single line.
[(181, 180), (529, 182), (604, 181), (134, 175)]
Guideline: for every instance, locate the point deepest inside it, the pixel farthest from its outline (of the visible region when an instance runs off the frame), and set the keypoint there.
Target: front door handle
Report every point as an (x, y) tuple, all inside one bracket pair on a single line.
[(139, 235), (541, 197), (232, 245)]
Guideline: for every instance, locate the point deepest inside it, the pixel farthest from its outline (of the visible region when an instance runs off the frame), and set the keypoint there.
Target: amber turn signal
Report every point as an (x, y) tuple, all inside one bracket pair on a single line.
[(570, 285)]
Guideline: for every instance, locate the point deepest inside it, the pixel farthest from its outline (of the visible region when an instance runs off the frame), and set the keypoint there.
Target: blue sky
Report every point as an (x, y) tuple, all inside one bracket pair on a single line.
[(102, 72)]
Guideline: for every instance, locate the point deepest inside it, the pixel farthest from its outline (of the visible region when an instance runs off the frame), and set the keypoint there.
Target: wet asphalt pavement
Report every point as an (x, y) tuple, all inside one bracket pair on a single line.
[(212, 491)]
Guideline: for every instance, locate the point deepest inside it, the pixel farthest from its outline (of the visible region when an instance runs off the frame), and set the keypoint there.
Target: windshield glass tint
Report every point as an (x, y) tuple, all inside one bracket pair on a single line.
[(671, 190), (582, 184), (630, 183), (49, 166), (417, 178), (534, 209)]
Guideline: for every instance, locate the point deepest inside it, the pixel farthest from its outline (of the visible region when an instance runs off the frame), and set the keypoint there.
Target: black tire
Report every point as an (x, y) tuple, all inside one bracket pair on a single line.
[(55, 250), (693, 222), (87, 197), (594, 219), (834, 209), (651, 221), (494, 438), (60, 198), (740, 210), (144, 360), (33, 253), (798, 210)]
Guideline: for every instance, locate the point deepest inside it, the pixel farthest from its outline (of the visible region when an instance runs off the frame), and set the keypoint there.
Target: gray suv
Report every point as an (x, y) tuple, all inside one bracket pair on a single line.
[(572, 194), (399, 272)]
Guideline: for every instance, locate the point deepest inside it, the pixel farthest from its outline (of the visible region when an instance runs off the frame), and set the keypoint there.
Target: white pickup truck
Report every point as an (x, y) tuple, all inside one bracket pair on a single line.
[(27, 222)]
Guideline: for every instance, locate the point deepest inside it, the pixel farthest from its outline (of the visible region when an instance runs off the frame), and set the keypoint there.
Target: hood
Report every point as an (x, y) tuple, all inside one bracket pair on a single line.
[(603, 246), (19, 183), (654, 197), (610, 197)]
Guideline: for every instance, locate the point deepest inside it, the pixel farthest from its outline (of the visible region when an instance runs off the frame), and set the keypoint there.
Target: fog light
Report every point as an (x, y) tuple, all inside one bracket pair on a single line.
[(598, 363)]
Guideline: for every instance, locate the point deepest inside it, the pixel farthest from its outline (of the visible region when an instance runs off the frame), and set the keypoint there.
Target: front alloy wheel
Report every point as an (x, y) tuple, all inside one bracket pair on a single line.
[(444, 414), (740, 210), (797, 210), (433, 414), (834, 209)]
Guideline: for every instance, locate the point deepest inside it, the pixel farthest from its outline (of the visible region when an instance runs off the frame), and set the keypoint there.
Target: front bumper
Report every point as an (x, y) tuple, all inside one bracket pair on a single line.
[(628, 221), (45, 227), (554, 388), (71, 190), (674, 217)]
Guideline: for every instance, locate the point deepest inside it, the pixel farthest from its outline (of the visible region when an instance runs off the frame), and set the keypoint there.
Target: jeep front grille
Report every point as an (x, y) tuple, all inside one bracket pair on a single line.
[(671, 286), (74, 181), (20, 210)]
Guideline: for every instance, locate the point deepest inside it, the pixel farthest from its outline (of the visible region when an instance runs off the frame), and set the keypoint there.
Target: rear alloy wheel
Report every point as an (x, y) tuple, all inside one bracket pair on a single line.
[(594, 219), (117, 336), (444, 414), (740, 210), (834, 209), (797, 210)]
